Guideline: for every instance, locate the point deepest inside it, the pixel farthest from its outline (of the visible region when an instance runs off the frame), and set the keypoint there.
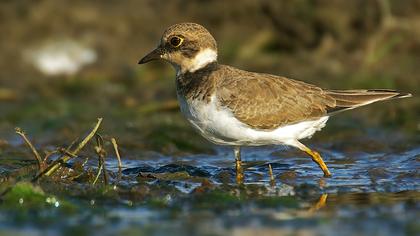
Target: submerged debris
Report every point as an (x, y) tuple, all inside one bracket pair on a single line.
[(69, 154), (60, 169)]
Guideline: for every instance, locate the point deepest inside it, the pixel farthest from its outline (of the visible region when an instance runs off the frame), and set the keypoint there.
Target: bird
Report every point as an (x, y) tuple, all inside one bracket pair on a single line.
[(234, 107)]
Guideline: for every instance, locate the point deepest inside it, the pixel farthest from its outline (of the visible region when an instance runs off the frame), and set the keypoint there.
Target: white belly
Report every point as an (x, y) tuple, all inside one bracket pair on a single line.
[(218, 125)]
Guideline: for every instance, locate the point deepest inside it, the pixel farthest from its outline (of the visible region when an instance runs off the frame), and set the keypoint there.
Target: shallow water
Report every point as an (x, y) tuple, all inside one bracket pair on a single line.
[(352, 172), (374, 191)]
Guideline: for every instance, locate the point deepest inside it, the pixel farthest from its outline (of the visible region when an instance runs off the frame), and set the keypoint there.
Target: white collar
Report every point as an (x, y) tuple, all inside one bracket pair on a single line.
[(203, 58)]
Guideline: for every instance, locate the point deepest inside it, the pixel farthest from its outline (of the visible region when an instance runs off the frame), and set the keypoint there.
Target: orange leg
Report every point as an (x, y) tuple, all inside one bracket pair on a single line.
[(238, 165), (316, 157)]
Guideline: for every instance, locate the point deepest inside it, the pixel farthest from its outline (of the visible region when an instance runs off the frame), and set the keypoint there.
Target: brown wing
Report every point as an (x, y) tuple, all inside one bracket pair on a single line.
[(350, 99), (266, 102)]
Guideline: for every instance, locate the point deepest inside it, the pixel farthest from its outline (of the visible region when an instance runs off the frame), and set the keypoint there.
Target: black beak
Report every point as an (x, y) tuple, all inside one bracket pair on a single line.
[(153, 55)]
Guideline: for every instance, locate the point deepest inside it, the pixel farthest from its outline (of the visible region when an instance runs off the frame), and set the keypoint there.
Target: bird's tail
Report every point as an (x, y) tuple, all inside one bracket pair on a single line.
[(350, 99)]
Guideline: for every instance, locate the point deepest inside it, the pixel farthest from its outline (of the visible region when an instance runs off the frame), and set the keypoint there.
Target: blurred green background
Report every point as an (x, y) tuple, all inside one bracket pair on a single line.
[(64, 63)]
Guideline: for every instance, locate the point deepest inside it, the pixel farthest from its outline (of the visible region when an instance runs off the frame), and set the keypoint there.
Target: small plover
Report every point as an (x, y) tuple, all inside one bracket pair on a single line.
[(229, 106)]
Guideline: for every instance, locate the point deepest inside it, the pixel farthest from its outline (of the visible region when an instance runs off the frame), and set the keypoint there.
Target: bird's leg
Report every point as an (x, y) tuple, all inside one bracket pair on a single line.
[(316, 157), (238, 165)]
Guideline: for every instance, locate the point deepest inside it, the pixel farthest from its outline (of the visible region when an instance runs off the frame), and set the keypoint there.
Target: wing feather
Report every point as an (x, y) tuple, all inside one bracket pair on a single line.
[(265, 101)]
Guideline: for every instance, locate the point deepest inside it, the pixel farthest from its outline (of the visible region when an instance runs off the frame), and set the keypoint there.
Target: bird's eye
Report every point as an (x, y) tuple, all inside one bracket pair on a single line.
[(176, 41)]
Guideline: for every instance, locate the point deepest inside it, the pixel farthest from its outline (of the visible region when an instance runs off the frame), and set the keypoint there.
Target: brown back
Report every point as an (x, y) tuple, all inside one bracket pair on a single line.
[(266, 101)]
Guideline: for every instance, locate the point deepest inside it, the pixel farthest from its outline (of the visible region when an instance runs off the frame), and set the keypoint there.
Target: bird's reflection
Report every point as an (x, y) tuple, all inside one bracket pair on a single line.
[(322, 202)]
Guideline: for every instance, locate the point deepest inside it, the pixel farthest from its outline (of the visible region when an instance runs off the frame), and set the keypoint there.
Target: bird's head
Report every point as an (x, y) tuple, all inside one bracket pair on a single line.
[(187, 46)]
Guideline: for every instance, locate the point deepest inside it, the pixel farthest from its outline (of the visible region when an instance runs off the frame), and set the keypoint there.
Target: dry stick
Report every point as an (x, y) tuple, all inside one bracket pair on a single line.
[(114, 143), (66, 152), (86, 140), (117, 153), (270, 171), (101, 159), (56, 164), (20, 132), (48, 154), (85, 161), (98, 174), (101, 167)]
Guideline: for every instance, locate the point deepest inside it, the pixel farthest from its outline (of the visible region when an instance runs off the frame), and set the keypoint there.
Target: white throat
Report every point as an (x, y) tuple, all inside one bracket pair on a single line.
[(203, 58)]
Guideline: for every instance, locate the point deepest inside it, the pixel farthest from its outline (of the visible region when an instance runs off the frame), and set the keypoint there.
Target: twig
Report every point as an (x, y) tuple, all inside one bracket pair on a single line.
[(117, 153), (66, 152), (270, 172), (98, 174), (90, 136), (57, 164), (101, 159), (49, 154), (85, 161), (20, 132)]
